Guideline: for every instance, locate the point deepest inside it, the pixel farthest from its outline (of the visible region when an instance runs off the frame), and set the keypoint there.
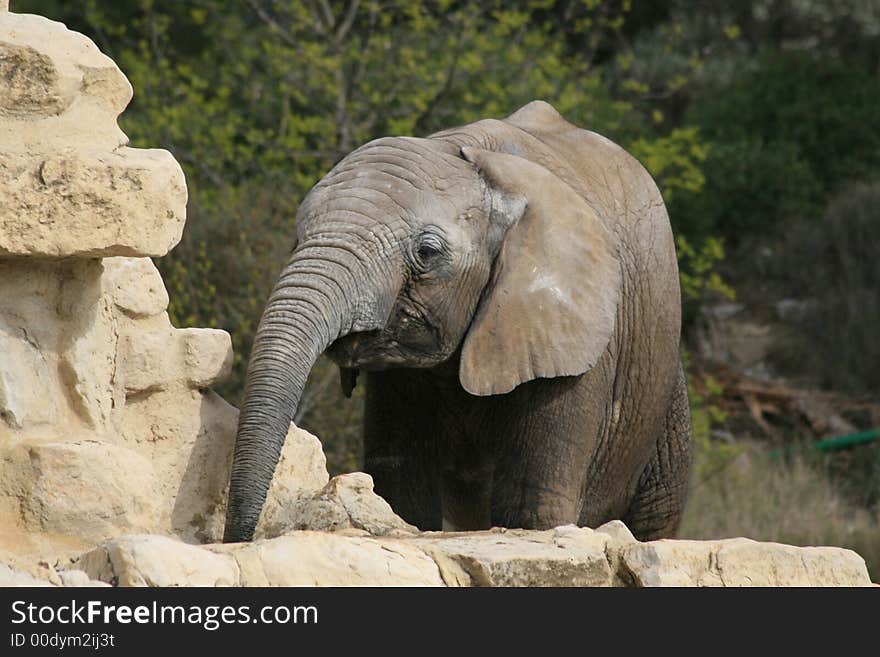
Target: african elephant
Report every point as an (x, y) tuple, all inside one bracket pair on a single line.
[(510, 289)]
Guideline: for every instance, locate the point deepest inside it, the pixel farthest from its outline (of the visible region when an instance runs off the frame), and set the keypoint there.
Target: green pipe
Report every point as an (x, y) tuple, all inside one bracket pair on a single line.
[(835, 442)]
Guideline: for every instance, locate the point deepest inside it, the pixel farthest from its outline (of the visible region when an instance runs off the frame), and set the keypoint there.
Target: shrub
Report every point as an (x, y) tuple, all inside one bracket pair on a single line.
[(834, 266), (750, 184), (782, 138)]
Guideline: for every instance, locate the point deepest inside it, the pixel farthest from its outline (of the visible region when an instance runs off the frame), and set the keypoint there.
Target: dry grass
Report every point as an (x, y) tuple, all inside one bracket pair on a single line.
[(788, 501)]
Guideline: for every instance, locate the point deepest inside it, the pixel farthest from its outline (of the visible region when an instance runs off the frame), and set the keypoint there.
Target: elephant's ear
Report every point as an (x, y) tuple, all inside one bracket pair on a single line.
[(551, 304)]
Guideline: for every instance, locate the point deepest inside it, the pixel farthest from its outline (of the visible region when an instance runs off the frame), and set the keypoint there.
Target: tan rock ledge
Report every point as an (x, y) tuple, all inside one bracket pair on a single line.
[(129, 202), (565, 556)]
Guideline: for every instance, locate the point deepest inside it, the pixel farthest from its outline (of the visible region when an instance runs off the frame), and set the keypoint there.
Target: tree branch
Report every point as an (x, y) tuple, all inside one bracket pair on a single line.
[(343, 123), (264, 16), (199, 164), (328, 13), (347, 22)]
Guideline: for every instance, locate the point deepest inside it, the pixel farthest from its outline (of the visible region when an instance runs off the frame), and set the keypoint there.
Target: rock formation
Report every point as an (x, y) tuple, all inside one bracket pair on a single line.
[(111, 437), (107, 422), (565, 556)]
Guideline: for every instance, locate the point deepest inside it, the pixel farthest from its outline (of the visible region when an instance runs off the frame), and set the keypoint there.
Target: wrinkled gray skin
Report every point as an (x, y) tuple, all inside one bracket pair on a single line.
[(509, 291)]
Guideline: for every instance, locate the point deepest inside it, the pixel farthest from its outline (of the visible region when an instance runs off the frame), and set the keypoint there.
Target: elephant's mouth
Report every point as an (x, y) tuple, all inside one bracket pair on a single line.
[(380, 350), (366, 350), (347, 350)]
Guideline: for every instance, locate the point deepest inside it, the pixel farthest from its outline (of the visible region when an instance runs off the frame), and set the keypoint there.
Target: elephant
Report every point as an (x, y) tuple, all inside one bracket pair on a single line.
[(509, 289)]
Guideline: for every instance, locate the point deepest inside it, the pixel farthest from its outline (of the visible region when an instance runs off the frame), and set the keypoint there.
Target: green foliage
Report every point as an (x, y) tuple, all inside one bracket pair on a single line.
[(701, 281), (675, 160), (823, 106), (699, 277), (751, 184), (780, 139)]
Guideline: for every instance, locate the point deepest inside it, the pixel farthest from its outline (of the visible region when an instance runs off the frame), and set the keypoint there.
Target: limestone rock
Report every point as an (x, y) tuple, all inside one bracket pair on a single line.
[(619, 537), (86, 488), (207, 355), (10, 577), (618, 532), (741, 562), (106, 425), (301, 471), (155, 360), (128, 202), (25, 380), (87, 339), (34, 571), (325, 559), (135, 286), (189, 436), (346, 502), (140, 560), (78, 578), (565, 556), (68, 186), (22, 549), (58, 340), (300, 559), (56, 88)]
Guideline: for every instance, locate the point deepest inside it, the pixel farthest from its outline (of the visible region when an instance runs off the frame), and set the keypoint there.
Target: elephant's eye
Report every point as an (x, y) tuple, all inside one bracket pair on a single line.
[(427, 251), (429, 247)]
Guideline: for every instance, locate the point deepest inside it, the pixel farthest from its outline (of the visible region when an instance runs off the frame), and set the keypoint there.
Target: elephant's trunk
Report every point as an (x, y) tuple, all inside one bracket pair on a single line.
[(312, 305)]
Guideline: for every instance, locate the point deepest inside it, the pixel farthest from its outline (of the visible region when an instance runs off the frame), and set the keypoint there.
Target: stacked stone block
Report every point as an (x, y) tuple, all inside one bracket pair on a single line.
[(107, 421)]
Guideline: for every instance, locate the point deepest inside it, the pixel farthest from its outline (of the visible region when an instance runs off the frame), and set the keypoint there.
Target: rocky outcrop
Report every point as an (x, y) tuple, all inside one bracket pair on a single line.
[(107, 422), (70, 186), (565, 556), (24, 570), (741, 562), (111, 436), (346, 502)]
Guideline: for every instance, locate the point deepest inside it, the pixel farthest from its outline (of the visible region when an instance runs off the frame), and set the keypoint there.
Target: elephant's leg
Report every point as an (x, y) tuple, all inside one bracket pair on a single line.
[(540, 455), (657, 508), (400, 445)]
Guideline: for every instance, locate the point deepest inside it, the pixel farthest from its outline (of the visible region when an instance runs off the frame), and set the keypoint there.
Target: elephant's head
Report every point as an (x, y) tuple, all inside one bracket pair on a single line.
[(407, 251)]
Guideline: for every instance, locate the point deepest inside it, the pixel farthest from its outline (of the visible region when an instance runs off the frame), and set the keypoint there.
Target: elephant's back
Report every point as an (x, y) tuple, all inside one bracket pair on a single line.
[(608, 177)]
